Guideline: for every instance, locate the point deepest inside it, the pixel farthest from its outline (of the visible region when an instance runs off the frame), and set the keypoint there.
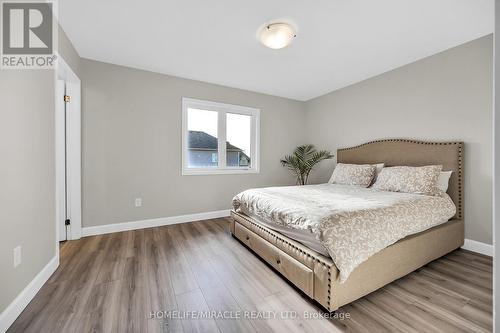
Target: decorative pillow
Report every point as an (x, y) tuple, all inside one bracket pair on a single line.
[(444, 180), (353, 174), (408, 179), (378, 168)]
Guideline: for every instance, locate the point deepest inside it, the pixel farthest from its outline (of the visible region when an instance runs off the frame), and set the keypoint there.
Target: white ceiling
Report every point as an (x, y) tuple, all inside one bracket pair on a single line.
[(339, 42)]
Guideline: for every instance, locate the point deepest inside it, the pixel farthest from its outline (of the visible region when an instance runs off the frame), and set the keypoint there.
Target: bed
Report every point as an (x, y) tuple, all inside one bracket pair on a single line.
[(301, 260)]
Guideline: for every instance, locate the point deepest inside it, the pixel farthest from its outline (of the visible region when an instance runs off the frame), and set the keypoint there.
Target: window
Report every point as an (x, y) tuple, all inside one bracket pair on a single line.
[(219, 138)]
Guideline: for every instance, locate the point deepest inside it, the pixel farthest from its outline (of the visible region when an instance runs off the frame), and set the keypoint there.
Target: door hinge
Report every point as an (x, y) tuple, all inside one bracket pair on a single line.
[(67, 222), (67, 98)]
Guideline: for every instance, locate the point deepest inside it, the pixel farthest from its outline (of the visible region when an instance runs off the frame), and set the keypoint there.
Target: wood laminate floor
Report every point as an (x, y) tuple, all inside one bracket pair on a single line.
[(128, 281)]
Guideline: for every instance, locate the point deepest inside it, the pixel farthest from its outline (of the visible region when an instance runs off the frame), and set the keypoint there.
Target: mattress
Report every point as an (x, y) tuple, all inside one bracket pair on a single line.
[(350, 222), (305, 237)]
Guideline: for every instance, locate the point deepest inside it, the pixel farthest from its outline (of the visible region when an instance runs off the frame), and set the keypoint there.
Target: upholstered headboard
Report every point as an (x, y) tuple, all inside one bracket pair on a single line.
[(394, 152)]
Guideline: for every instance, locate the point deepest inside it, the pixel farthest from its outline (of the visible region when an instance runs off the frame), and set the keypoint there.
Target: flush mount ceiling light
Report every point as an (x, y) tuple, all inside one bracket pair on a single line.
[(277, 35)]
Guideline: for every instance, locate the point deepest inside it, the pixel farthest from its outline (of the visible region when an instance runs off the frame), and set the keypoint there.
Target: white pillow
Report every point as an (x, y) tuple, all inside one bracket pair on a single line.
[(444, 180), (378, 168)]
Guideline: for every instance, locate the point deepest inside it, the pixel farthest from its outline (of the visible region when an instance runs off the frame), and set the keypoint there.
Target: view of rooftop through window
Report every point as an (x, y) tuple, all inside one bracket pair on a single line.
[(203, 139)]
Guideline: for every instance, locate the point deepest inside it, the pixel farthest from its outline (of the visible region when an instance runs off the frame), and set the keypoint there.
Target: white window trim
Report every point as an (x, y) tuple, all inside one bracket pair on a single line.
[(222, 109)]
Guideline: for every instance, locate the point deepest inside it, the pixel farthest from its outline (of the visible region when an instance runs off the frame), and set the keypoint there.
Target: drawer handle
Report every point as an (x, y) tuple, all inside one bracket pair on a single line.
[(247, 238), (278, 261)]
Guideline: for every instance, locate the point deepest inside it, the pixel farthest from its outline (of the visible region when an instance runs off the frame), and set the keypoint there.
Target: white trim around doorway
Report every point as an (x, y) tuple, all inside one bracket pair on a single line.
[(73, 114)]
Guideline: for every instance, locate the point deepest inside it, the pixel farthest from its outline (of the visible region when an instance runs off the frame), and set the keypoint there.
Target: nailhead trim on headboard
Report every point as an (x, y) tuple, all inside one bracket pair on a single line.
[(460, 175), (460, 162), (404, 140)]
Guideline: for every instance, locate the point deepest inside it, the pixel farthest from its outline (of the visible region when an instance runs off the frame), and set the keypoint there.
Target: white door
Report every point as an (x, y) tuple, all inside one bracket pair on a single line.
[(68, 168), (68, 153), (64, 211), (61, 196)]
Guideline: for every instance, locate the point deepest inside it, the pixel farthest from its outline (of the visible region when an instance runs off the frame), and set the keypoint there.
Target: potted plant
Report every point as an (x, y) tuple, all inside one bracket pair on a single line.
[(302, 161)]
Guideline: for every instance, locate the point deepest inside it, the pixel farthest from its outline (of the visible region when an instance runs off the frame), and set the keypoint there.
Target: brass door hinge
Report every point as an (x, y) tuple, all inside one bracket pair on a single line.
[(66, 98)]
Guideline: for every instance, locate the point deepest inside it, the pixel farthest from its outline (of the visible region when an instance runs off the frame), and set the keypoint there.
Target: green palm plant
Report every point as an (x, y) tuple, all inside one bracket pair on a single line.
[(302, 161)]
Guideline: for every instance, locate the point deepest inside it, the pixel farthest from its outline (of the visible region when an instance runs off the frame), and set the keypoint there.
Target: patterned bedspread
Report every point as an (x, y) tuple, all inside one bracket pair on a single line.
[(351, 222)]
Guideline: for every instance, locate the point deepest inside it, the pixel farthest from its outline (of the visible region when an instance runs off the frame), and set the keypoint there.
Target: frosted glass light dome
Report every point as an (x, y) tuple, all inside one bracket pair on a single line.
[(277, 35)]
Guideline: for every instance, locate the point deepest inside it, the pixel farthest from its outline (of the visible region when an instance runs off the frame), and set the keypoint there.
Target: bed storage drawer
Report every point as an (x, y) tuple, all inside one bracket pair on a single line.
[(299, 274)]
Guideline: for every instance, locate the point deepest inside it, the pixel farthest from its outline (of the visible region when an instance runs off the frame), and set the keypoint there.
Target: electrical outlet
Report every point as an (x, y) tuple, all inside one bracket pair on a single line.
[(17, 256), (138, 202)]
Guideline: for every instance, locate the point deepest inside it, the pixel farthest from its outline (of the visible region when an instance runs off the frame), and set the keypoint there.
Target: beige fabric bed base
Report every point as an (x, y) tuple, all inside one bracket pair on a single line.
[(316, 275)]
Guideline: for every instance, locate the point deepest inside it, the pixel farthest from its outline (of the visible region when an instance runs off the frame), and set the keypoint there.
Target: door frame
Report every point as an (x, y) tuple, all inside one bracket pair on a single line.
[(64, 73)]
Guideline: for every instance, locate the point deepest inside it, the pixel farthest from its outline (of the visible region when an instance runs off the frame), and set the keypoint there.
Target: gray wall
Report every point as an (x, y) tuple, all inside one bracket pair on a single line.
[(68, 52), (27, 174), (27, 177), (132, 118), (132, 145), (447, 96)]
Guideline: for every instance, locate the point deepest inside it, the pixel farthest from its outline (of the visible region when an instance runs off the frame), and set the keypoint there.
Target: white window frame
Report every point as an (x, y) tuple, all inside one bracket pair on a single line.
[(222, 109)]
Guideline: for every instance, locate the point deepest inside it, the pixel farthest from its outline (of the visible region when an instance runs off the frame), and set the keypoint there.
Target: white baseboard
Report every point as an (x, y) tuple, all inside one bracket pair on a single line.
[(478, 247), (117, 227), (10, 314)]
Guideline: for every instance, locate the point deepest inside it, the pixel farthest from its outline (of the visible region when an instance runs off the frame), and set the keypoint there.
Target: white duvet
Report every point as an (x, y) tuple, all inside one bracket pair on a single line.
[(352, 223)]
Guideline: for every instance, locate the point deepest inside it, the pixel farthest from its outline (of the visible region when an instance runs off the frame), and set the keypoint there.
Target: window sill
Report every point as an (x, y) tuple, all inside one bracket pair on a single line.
[(202, 172)]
